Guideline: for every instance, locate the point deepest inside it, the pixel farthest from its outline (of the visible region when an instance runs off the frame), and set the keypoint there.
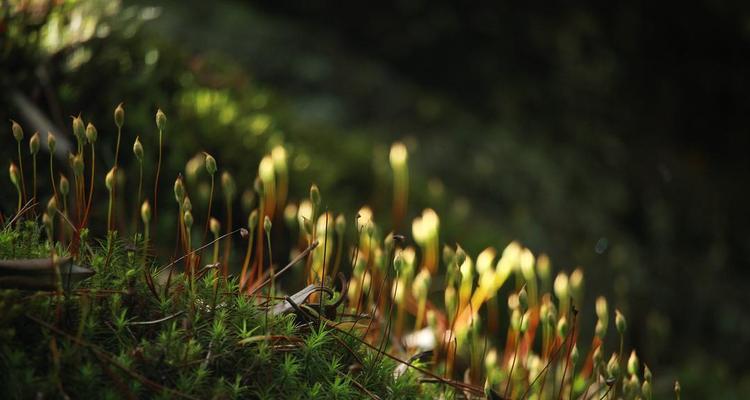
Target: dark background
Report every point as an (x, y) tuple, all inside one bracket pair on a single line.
[(645, 94), (612, 136)]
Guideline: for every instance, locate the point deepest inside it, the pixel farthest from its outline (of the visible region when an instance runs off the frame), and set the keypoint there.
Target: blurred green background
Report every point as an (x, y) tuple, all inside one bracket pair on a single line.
[(611, 136)]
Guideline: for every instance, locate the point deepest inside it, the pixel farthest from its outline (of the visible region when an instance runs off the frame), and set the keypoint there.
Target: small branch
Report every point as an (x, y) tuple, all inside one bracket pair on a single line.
[(28, 206), (200, 248), (157, 321), (290, 265), (65, 217), (360, 387), (471, 388)]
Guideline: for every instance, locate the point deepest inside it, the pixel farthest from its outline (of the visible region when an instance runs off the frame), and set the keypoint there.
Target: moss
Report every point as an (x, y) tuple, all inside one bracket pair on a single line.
[(190, 329), (110, 341)]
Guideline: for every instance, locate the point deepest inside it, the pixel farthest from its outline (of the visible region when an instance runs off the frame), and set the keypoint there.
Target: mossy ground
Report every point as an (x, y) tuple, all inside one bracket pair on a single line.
[(412, 317), (112, 337)]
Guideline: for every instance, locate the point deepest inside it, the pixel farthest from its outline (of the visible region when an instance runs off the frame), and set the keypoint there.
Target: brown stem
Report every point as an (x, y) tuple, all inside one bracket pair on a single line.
[(228, 246), (91, 188), (156, 181), (208, 213), (20, 167)]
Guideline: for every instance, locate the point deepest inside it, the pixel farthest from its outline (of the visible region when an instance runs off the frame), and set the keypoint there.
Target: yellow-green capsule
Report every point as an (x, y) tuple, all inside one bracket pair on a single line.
[(210, 164), (34, 143), (17, 130), (315, 196), (215, 226), (77, 164), (398, 263), (109, 180), (620, 322), (47, 222), (179, 190), (602, 311), (51, 142), (398, 155), (78, 129), (460, 256), (146, 212), (64, 185), (15, 175), (188, 219), (161, 120), (52, 206), (633, 363), (91, 133), (138, 148), (119, 116), (613, 366)]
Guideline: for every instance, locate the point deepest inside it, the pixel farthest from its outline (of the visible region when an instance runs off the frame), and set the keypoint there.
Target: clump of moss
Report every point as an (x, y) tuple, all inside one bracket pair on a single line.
[(114, 336), (193, 328)]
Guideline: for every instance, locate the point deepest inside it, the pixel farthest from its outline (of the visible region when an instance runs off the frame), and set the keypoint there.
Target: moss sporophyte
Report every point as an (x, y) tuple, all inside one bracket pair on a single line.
[(300, 301)]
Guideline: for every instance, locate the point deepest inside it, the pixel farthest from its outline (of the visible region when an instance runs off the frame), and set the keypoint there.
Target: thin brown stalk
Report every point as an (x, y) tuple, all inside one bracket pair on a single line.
[(228, 247), (157, 321), (246, 262), (360, 387), (52, 177), (382, 288), (607, 392), (325, 247), (33, 166), (208, 213), (570, 349), (163, 268), (339, 255), (22, 210), (464, 386), (258, 265), (512, 365), (91, 188), (20, 167), (364, 274), (156, 180), (292, 263), (388, 321), (543, 372)]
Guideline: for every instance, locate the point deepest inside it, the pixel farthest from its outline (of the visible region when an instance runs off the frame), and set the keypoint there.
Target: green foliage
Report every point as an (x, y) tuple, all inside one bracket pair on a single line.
[(196, 352), (23, 241)]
